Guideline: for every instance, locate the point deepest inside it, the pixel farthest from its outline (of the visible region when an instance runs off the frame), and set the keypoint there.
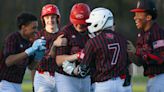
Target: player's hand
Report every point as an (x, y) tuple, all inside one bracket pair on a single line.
[(130, 47), (144, 51), (60, 41), (76, 71), (35, 46), (68, 67), (39, 54), (80, 54)]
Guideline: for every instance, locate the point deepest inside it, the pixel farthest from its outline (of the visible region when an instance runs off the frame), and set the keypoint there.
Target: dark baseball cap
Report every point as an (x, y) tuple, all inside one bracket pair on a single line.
[(144, 5)]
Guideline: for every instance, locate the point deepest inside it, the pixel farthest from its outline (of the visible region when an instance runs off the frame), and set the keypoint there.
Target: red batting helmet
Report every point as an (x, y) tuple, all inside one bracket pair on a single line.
[(50, 9), (79, 13)]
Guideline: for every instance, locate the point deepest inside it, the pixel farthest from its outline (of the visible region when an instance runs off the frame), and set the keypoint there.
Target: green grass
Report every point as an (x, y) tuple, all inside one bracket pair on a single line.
[(27, 87), (138, 82), (139, 88)]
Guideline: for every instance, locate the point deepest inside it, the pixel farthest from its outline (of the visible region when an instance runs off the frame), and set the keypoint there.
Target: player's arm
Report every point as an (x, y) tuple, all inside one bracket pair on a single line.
[(83, 68), (157, 54), (60, 59), (62, 53), (60, 41), (10, 50), (17, 58), (132, 54), (152, 54)]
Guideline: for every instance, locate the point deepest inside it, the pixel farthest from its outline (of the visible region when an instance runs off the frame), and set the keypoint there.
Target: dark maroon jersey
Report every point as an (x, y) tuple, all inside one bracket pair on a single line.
[(47, 63), (106, 56), (14, 44), (76, 42), (151, 42)]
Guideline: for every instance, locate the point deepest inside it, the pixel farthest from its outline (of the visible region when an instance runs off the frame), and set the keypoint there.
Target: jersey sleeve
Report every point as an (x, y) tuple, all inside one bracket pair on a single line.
[(86, 61), (63, 49), (88, 55), (157, 55), (10, 46)]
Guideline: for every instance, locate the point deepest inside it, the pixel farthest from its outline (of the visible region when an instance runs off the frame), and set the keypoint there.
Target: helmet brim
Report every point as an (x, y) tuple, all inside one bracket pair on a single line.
[(75, 21), (137, 10)]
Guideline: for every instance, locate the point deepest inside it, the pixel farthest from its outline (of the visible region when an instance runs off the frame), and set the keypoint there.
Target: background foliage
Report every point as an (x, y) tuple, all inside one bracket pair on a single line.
[(123, 18)]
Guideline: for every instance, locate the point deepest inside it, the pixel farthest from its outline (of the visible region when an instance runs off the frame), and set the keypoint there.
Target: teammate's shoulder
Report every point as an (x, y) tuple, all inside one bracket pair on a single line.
[(13, 36), (67, 27), (94, 39), (120, 36), (156, 27)]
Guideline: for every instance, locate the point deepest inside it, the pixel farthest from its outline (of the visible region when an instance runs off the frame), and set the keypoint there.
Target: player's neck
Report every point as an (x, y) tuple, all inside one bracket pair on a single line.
[(148, 26)]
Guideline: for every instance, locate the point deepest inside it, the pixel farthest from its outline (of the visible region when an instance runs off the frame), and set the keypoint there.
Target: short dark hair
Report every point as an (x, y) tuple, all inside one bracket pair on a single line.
[(154, 13), (25, 18)]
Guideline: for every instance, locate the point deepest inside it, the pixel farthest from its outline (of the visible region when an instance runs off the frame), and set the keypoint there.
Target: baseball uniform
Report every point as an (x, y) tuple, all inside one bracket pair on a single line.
[(44, 79), (76, 42), (12, 76), (106, 58), (150, 49)]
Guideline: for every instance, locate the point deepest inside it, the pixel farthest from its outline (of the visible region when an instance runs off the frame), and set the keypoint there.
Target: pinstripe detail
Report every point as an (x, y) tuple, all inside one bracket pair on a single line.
[(14, 44), (99, 57), (47, 63), (154, 34), (76, 42)]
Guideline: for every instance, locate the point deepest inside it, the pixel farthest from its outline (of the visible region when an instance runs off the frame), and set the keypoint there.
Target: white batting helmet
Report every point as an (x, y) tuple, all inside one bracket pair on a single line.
[(99, 19)]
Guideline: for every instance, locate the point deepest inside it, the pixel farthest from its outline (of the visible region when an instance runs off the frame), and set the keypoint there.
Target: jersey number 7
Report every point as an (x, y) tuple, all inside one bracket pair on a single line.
[(116, 48)]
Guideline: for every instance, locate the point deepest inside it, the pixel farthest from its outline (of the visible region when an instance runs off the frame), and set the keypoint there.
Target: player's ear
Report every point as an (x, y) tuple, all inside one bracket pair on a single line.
[(148, 17), (23, 26)]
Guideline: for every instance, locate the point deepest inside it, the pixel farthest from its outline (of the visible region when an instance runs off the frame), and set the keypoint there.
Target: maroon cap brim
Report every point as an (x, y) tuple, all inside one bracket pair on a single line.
[(137, 10)]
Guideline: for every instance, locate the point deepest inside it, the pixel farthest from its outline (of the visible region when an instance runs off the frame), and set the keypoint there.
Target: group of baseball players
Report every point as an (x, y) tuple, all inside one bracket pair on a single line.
[(86, 55)]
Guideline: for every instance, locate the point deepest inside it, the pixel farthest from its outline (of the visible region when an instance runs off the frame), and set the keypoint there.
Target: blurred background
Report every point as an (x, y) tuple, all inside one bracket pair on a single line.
[(123, 19)]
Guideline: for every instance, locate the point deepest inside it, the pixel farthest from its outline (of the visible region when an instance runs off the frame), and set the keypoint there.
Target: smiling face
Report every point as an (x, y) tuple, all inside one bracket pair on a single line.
[(80, 27), (140, 20), (30, 30), (50, 21)]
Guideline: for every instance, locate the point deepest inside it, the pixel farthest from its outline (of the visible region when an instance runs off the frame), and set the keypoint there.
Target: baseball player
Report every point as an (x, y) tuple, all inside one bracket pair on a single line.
[(105, 55), (150, 45), (76, 34), (18, 53), (44, 80)]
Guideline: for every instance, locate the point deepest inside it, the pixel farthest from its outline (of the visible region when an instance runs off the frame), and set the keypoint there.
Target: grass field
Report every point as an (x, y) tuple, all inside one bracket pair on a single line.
[(139, 84)]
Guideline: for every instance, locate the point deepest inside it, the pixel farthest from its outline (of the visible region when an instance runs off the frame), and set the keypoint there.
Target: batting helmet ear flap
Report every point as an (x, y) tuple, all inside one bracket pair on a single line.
[(48, 10)]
